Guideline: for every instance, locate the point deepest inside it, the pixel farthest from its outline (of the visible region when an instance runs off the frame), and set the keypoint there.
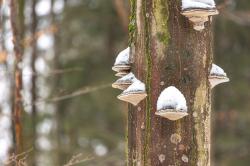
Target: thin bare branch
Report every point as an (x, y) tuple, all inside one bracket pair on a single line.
[(79, 92), (51, 73), (239, 17), (77, 159), (18, 159)]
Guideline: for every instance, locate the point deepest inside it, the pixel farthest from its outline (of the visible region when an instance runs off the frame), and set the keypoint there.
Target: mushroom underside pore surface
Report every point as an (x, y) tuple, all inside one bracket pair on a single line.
[(171, 114), (120, 74), (215, 80), (121, 86), (121, 68), (199, 16), (132, 97)]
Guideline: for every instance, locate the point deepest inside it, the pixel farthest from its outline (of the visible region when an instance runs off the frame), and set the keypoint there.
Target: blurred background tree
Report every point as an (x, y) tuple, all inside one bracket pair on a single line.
[(76, 109)]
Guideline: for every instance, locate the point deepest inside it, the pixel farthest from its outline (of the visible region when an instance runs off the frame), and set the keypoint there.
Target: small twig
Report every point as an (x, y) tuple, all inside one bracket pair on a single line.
[(241, 18), (76, 159), (51, 73), (19, 159), (81, 91), (78, 93)]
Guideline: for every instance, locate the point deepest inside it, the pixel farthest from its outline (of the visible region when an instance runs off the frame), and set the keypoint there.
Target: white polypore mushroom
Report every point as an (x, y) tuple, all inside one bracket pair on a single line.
[(134, 93), (171, 104), (124, 82), (122, 61), (217, 76), (122, 73), (198, 11)]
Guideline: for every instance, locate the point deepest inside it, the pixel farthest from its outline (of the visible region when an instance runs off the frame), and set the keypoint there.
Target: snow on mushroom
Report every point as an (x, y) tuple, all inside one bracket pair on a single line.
[(198, 11), (134, 93), (171, 104), (122, 63), (124, 82), (217, 76)]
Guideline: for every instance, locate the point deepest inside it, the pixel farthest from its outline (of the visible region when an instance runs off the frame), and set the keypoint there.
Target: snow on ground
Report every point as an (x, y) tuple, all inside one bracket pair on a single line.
[(123, 57), (171, 98), (201, 4), (217, 71), (137, 86)]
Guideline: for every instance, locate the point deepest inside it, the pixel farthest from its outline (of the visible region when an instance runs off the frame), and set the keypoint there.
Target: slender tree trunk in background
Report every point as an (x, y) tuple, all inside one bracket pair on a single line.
[(59, 116), (167, 51), (2, 30), (122, 12), (1, 17), (17, 24), (34, 23)]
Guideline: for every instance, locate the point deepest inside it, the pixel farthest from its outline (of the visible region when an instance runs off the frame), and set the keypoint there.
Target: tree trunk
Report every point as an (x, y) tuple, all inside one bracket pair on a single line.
[(167, 51), (34, 24), (17, 24)]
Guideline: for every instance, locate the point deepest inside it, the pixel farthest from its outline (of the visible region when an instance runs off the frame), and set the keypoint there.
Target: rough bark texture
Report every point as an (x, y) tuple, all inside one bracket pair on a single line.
[(167, 51), (17, 24)]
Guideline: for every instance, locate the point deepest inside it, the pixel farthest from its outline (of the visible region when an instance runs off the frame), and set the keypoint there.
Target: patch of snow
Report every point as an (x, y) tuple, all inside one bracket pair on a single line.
[(45, 127), (43, 7), (123, 57), (137, 86), (58, 6), (200, 4), (127, 78), (45, 42), (44, 143), (101, 150), (171, 98), (217, 71)]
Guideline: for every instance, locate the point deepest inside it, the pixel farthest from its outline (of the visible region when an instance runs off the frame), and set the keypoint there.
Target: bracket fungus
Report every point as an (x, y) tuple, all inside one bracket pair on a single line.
[(198, 11), (171, 104), (122, 62), (124, 82), (122, 73), (217, 76), (134, 93)]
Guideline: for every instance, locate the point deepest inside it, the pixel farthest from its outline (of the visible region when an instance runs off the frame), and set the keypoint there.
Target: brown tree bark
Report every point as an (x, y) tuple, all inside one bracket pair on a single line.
[(167, 51), (17, 24)]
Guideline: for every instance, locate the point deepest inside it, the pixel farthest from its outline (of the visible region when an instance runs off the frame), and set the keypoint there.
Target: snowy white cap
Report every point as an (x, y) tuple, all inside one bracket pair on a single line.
[(171, 98), (123, 57), (124, 82), (137, 86), (217, 71), (217, 76), (127, 78), (198, 4), (134, 94)]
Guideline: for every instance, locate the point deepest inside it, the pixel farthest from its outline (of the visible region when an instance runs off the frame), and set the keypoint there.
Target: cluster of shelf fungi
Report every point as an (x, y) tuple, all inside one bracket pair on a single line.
[(171, 103)]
